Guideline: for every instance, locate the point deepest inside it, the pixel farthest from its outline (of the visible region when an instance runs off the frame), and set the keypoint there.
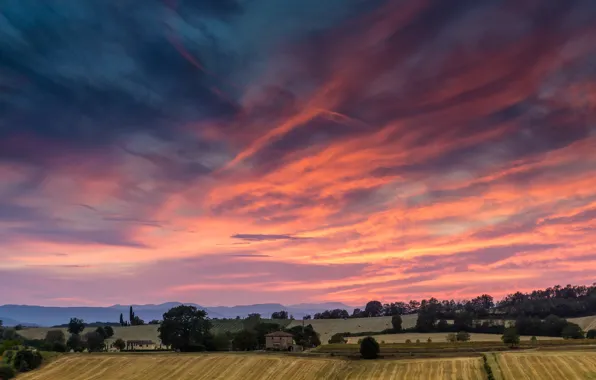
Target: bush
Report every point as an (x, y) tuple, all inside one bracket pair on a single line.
[(417, 341), (337, 338), (451, 338), (429, 340), (572, 331), (59, 347), (510, 337), (408, 341), (120, 344), (533, 340), (54, 336), (463, 336), (6, 372), (369, 348), (27, 360), (591, 334), (487, 368)]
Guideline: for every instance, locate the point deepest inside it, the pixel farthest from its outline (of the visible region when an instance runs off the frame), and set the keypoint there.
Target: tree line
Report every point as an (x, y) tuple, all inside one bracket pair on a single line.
[(565, 302)]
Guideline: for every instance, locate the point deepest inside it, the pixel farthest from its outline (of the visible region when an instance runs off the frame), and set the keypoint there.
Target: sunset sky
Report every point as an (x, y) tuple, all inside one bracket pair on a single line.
[(230, 152)]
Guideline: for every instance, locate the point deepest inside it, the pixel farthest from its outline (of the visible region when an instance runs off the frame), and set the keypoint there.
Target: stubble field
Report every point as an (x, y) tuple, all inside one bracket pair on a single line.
[(556, 365), (437, 338), (251, 367)]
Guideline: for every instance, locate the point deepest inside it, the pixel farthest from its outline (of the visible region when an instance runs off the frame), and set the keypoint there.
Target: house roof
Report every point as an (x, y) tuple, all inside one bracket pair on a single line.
[(280, 333)]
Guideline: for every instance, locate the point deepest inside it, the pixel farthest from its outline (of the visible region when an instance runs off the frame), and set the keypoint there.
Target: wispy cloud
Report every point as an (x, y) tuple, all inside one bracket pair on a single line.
[(341, 150)]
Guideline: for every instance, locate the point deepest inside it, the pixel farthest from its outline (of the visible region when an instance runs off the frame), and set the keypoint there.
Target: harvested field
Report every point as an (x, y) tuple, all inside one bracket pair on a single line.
[(327, 327), (250, 367), (437, 338), (555, 365)]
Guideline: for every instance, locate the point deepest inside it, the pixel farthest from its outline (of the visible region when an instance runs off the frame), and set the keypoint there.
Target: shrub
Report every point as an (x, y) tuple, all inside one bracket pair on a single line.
[(59, 347), (6, 372), (27, 360), (591, 334), (417, 341), (369, 348), (119, 344), (408, 341), (533, 340), (54, 336), (572, 331), (337, 338), (487, 368), (463, 336), (382, 342), (429, 340), (510, 337), (451, 338)]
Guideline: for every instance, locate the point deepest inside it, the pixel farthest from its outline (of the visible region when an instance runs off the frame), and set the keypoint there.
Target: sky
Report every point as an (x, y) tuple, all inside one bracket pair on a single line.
[(230, 152)]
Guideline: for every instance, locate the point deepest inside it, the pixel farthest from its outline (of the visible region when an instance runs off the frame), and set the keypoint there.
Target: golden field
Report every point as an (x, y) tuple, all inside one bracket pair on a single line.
[(555, 365), (250, 367), (327, 327), (436, 338)]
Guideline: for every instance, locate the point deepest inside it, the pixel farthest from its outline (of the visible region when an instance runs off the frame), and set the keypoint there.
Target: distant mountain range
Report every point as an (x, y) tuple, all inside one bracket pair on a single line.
[(49, 316)]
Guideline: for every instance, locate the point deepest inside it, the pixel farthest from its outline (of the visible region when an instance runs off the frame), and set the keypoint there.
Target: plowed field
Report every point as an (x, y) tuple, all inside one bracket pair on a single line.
[(250, 367)]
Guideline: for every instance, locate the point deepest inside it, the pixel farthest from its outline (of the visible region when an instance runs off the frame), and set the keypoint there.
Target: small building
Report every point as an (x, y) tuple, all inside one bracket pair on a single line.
[(279, 340)]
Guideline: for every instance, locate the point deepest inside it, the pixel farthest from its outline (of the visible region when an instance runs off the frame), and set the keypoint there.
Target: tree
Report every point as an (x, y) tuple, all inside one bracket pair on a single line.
[(280, 315), (74, 343), (183, 327), (131, 316), (122, 323), (337, 338), (76, 326), (451, 337), (533, 340), (307, 317), (396, 322), (9, 334), (510, 337), (373, 309), (120, 344), (154, 322), (245, 340), (221, 342), (251, 321), (55, 336), (572, 331), (109, 331), (369, 348), (305, 336), (443, 325), (101, 331), (94, 341), (27, 360), (463, 336), (591, 334)]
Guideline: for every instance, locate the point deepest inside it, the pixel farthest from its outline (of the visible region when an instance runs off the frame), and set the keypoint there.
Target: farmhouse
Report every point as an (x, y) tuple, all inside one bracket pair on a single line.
[(279, 340)]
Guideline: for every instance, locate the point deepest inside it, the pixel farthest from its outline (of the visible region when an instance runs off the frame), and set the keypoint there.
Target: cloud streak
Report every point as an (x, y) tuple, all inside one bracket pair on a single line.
[(341, 151)]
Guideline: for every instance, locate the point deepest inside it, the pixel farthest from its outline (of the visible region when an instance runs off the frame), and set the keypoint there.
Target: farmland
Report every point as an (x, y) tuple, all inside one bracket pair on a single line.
[(327, 327), (556, 365), (250, 367), (436, 337), (145, 332)]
